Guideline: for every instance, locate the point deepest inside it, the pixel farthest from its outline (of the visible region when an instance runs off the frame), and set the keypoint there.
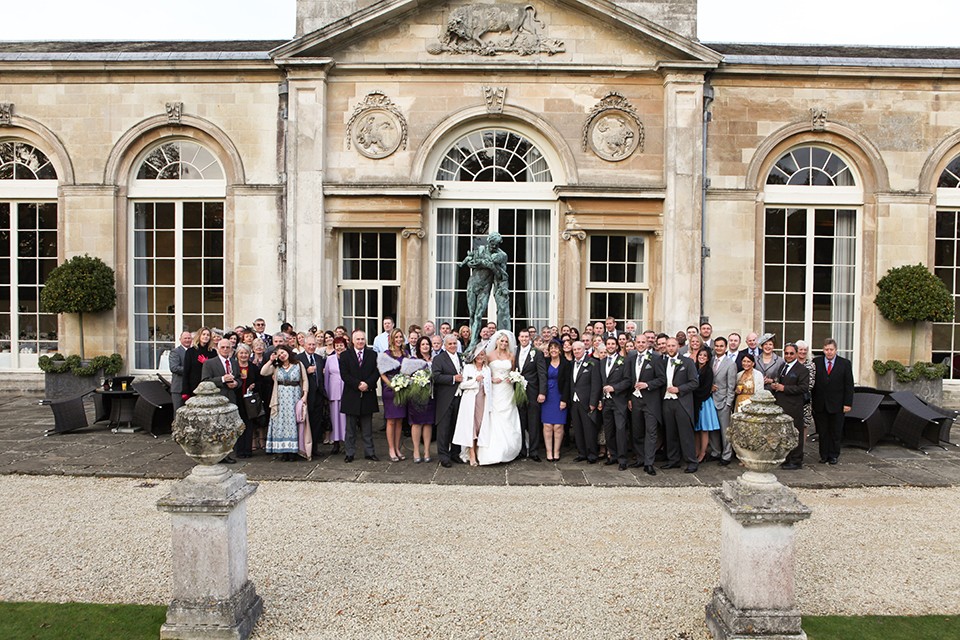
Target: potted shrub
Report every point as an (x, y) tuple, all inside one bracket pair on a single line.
[(911, 294), (80, 285)]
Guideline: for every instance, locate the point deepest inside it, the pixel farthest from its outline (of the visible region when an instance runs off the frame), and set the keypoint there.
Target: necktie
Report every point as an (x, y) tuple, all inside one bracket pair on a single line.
[(226, 366), (360, 358), (829, 366)]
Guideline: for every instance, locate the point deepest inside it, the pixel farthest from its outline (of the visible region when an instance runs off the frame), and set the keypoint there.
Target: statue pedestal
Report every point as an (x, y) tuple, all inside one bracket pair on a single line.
[(756, 597), (212, 597)]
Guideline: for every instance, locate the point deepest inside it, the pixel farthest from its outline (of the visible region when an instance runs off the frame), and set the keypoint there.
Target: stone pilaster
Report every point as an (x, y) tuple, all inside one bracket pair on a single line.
[(683, 153), (414, 305)]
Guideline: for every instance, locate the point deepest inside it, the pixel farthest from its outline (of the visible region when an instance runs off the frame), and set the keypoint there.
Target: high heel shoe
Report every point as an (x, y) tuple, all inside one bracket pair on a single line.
[(336, 448)]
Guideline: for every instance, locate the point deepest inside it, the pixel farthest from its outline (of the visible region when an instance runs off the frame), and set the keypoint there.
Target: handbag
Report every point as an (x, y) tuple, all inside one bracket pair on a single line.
[(254, 406)]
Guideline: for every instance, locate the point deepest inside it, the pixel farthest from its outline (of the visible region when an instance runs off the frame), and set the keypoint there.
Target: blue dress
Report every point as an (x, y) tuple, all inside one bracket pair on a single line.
[(708, 420), (550, 411)]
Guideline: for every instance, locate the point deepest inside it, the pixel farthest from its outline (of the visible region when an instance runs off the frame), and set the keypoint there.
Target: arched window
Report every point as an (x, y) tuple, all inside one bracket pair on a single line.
[(494, 155), (177, 199), (946, 263), (810, 275), (495, 180), (28, 253)]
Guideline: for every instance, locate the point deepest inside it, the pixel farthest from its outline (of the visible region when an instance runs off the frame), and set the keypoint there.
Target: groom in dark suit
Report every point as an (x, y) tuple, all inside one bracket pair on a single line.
[(358, 368), (832, 397), (533, 367), (680, 380), (614, 385), (446, 371)]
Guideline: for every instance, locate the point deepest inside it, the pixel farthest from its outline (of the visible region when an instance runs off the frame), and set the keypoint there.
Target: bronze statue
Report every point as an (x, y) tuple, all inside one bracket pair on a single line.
[(488, 264)]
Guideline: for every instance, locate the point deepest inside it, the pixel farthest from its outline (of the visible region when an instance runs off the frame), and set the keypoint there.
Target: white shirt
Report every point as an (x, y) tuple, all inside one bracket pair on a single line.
[(524, 352), (670, 369), (456, 361), (382, 342)]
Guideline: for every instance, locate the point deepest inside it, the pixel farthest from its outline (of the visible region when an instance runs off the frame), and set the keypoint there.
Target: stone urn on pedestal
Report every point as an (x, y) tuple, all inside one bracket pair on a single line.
[(756, 596), (212, 597)]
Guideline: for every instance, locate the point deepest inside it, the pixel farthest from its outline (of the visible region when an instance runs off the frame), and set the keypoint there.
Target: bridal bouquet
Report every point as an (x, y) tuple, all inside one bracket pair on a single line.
[(419, 389), (401, 388), (519, 387)]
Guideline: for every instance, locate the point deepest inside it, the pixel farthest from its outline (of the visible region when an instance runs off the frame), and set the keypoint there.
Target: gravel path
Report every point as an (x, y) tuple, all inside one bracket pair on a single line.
[(414, 561)]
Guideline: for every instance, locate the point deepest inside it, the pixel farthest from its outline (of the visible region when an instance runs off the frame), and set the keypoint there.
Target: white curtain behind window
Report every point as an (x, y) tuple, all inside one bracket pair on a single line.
[(844, 280)]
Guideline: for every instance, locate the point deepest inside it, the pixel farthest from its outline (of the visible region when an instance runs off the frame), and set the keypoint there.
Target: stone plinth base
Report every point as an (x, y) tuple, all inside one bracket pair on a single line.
[(727, 622), (756, 594), (212, 597)]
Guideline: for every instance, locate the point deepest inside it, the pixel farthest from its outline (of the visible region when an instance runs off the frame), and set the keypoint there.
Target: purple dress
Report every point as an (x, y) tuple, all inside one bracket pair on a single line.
[(391, 411), (422, 414), (333, 384)]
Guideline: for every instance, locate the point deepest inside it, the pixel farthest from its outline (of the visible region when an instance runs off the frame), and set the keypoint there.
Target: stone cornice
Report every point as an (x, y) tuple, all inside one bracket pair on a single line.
[(656, 192), (746, 195), (781, 69), (154, 67), (370, 189)]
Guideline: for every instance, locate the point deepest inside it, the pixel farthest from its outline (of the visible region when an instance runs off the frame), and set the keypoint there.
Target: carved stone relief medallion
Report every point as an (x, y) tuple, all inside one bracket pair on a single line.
[(377, 128), (613, 130)]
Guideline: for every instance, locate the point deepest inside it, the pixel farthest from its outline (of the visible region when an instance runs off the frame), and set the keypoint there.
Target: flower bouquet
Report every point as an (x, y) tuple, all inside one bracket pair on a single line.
[(519, 387), (419, 389), (401, 388)]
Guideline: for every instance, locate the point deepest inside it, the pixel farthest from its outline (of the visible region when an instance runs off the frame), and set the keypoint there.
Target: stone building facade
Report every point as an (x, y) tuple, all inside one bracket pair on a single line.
[(331, 179)]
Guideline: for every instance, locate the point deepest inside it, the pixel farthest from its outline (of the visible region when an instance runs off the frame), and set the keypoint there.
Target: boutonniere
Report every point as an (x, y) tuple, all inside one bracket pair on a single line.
[(586, 364), (646, 357), (619, 361), (676, 361)]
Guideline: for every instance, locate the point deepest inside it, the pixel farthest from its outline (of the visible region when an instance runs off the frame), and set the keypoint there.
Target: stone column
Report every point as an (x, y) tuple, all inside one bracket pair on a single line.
[(212, 597), (756, 596), (683, 151)]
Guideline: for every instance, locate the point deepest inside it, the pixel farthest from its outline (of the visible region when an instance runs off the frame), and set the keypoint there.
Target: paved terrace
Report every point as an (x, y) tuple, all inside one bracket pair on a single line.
[(96, 451)]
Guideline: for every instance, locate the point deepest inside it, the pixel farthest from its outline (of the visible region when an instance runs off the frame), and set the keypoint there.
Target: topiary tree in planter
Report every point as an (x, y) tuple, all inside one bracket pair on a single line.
[(80, 285), (912, 294)]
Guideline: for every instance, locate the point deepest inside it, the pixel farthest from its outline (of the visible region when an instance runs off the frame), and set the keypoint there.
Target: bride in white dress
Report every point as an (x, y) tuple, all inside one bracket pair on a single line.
[(500, 438)]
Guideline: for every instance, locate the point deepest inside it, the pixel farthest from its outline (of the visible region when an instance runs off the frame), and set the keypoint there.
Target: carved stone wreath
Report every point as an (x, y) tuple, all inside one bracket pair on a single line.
[(377, 128), (613, 129)]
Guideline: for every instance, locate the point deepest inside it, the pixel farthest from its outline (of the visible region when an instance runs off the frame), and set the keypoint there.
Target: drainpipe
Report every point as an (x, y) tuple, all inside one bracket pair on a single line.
[(704, 185), (282, 105)]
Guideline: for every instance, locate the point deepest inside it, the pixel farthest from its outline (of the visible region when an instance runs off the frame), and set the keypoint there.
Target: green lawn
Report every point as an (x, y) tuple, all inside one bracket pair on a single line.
[(882, 627), (80, 621)]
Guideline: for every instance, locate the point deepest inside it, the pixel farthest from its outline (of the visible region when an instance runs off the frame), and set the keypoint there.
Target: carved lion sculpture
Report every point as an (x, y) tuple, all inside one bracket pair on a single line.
[(472, 22)]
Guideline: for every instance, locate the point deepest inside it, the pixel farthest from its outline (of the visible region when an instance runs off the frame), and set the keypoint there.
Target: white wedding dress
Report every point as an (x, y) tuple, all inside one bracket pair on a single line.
[(500, 437)]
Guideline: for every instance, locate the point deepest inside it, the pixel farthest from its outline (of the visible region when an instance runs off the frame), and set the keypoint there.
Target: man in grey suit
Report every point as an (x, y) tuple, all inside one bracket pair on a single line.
[(220, 371), (724, 384), (175, 362)]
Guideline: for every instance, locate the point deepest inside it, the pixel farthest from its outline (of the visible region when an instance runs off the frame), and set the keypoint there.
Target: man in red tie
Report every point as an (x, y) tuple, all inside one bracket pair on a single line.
[(220, 371), (358, 368), (832, 398)]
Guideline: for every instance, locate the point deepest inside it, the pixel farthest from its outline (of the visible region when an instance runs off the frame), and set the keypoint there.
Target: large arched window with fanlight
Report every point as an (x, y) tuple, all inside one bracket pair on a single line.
[(28, 253), (946, 263), (495, 179), (177, 193), (810, 247)]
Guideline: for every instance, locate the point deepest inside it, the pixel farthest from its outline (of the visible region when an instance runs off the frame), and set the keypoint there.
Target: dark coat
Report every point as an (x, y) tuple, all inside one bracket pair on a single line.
[(442, 370), (535, 372), (619, 379), (833, 392), (354, 402), (317, 395), (564, 379), (213, 371), (586, 386), (685, 380), (193, 367), (651, 372), (796, 383)]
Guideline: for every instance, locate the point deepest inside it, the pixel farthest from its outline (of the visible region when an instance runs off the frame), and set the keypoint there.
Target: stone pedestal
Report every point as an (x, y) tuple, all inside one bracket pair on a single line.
[(212, 597), (756, 597)]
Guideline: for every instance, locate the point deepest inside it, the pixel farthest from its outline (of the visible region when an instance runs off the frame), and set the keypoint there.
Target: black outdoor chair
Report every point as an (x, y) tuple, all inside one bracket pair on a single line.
[(154, 409), (915, 421), (864, 425), (166, 383), (946, 423), (69, 414)]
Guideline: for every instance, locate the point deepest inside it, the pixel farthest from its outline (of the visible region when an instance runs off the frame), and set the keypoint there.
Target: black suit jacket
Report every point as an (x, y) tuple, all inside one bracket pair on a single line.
[(316, 394), (534, 369), (354, 402), (740, 355), (586, 385), (619, 379), (831, 393), (685, 380), (795, 384), (213, 371), (564, 379), (650, 372), (442, 370)]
